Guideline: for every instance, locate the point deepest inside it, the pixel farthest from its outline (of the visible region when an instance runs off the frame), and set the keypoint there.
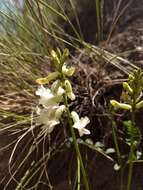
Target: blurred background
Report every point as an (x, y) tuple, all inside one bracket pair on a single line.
[(5, 4)]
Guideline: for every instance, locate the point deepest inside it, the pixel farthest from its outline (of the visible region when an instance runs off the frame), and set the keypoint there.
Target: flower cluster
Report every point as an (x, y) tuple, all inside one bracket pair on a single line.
[(132, 94), (51, 111), (52, 99)]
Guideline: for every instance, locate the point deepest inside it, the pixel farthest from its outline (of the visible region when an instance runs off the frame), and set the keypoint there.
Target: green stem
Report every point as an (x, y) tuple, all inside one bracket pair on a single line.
[(121, 178), (130, 174), (131, 149), (99, 16), (85, 180), (78, 174), (116, 142), (117, 151)]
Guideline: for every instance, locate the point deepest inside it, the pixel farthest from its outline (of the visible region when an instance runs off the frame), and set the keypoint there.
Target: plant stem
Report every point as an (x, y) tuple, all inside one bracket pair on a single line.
[(85, 180), (114, 126), (121, 178), (99, 15), (130, 168), (117, 151), (78, 174), (130, 174), (116, 142), (131, 148)]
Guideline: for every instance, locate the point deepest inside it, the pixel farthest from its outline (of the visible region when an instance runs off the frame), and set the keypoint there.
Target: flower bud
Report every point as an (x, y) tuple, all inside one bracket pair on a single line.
[(50, 77), (55, 57), (71, 95), (42, 81), (139, 105), (119, 105), (69, 91), (131, 77), (53, 54), (68, 71), (127, 87), (59, 53), (68, 86), (66, 53)]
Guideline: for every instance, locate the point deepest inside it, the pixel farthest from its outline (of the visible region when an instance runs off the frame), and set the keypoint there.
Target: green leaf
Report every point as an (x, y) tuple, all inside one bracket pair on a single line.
[(133, 133)]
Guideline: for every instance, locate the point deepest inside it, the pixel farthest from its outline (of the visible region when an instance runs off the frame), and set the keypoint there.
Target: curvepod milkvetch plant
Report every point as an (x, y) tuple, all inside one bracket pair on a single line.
[(53, 103), (131, 101), (52, 99)]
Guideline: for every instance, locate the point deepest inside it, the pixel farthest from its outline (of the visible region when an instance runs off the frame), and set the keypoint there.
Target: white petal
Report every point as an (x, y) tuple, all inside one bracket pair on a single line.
[(77, 125), (40, 90), (44, 117), (46, 102), (53, 123), (75, 116), (84, 121), (50, 126), (47, 114), (80, 124), (60, 91), (47, 94), (47, 98), (44, 92), (86, 131), (83, 131)]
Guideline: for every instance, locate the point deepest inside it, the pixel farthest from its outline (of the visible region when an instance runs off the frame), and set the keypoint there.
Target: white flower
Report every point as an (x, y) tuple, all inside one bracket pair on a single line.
[(49, 98), (51, 113), (46, 96), (80, 124), (50, 116), (47, 117)]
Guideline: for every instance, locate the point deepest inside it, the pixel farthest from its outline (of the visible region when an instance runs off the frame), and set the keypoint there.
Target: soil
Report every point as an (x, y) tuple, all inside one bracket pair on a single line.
[(95, 83)]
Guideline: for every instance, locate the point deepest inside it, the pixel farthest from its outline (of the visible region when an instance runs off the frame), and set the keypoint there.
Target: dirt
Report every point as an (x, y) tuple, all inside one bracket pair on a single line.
[(95, 83)]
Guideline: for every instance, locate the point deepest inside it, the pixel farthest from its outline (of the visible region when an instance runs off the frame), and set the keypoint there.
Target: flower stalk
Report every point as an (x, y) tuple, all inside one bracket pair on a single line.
[(51, 99), (133, 91), (85, 179), (131, 153)]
